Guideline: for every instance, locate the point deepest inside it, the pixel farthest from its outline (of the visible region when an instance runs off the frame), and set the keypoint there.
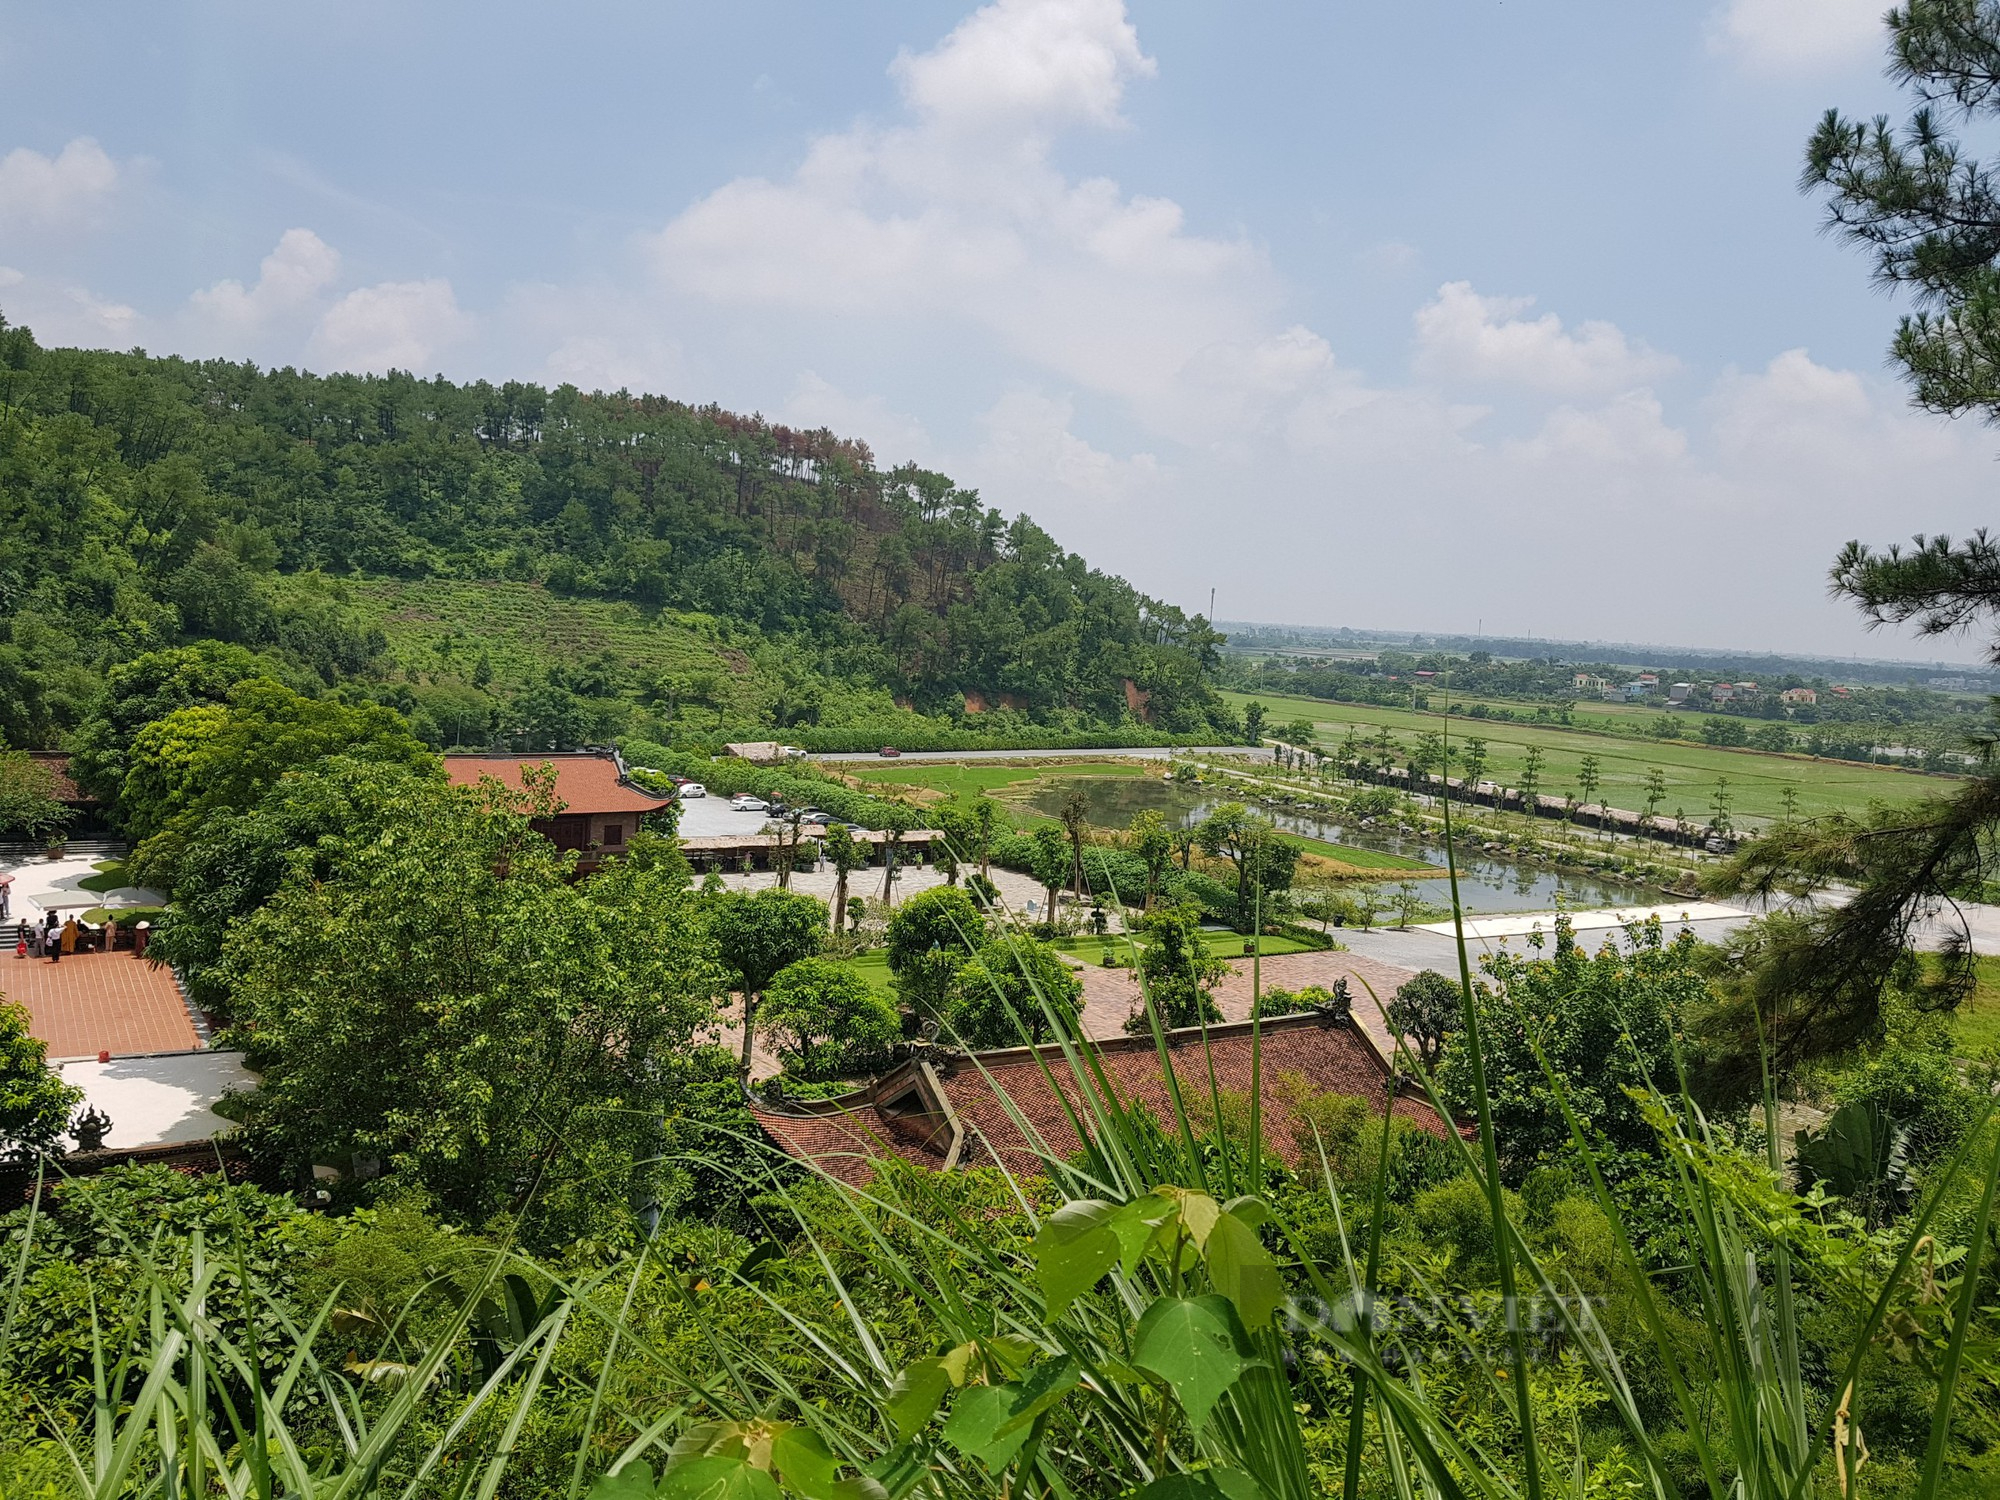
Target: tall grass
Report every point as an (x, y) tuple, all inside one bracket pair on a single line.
[(1161, 1331)]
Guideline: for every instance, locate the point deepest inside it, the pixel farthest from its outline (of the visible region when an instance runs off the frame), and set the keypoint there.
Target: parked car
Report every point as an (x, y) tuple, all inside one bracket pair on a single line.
[(1715, 845), (693, 789), (890, 752), (744, 802), (814, 817)]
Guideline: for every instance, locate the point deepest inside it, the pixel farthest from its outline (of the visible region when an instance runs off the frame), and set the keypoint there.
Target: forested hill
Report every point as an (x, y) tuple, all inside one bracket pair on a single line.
[(370, 530)]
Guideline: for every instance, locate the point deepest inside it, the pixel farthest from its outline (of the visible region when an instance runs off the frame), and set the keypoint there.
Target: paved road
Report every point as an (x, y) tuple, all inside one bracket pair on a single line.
[(1152, 752)]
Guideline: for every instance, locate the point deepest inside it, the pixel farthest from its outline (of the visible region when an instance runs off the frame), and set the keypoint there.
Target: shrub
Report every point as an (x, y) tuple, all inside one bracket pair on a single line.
[(824, 1019)]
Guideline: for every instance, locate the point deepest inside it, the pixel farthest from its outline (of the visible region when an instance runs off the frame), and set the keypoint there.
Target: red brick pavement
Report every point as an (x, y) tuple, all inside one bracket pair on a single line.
[(1110, 994), (99, 1002)]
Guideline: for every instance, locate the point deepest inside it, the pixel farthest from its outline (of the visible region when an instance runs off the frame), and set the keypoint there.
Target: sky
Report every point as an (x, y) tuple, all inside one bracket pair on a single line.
[(1500, 315)]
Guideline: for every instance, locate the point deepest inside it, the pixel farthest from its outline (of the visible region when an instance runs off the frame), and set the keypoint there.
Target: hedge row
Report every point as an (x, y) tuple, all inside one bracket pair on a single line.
[(919, 733)]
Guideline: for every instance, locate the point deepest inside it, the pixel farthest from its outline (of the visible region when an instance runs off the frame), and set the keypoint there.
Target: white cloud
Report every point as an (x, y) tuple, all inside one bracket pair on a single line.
[(1030, 450), (893, 436), (401, 325), (38, 191), (289, 282), (1464, 336), (1794, 36), (961, 217), (1028, 64)]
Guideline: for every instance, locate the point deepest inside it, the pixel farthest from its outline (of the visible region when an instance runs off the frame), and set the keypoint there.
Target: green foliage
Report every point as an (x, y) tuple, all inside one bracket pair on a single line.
[(445, 1001), (758, 933), (211, 759), (1177, 971), (826, 1020), (1426, 1013), (1003, 995), (1604, 1023), (35, 1104), (715, 570), (928, 936), (1264, 859)]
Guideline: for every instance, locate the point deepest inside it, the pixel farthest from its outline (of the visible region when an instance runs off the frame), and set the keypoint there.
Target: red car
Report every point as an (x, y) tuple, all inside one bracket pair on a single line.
[(890, 752)]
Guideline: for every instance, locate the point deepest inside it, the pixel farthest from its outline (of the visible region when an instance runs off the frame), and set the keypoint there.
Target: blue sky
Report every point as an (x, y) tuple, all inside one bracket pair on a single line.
[(1404, 316)]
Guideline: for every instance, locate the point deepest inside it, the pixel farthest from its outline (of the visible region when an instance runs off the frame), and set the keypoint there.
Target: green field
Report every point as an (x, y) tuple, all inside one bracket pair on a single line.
[(1756, 780), (1977, 1022)]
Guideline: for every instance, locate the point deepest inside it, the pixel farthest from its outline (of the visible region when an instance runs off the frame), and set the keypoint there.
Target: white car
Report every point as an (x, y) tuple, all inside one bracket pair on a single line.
[(691, 789), (744, 802)]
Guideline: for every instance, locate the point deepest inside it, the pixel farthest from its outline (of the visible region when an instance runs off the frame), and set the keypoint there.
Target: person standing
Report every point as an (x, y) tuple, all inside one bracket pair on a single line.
[(69, 936), (52, 940)]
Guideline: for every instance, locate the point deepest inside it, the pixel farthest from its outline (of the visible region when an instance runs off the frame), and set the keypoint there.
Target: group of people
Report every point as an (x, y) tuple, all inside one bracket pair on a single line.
[(55, 937)]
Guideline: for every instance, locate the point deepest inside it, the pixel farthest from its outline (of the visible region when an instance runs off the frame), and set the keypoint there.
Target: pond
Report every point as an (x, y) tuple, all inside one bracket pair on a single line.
[(1486, 883)]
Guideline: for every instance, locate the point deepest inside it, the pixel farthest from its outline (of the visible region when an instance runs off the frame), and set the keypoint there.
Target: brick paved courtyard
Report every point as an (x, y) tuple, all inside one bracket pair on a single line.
[(93, 1002)]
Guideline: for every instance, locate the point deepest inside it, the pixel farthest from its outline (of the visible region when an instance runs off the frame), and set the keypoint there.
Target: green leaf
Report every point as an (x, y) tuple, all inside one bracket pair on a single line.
[(1189, 1343), (633, 1482), (1138, 1225), (975, 1422), (1073, 1251), (1242, 1270), (806, 1466), (1210, 1484), (1199, 1213), (915, 1396), (1039, 1390), (717, 1479)]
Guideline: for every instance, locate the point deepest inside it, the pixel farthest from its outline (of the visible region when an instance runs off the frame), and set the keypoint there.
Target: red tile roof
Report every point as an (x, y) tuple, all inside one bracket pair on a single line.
[(587, 782), (64, 788), (845, 1134)]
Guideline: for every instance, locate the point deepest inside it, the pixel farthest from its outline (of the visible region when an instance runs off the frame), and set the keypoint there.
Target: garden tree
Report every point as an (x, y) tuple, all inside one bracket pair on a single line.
[(35, 1104), (1001, 995), (1656, 790), (1076, 822), (1605, 1024), (824, 1020), (150, 687), (304, 824), (961, 836), (1264, 859), (1050, 857), (984, 812), (446, 1000), (28, 805), (1718, 805), (1253, 723), (927, 937), (1473, 758), (1588, 777), (785, 854), (846, 856), (1426, 1012), (1154, 845), (1184, 839), (1429, 757), (212, 758), (1177, 971), (1408, 903), (1531, 782), (1298, 733), (1788, 802), (758, 934)]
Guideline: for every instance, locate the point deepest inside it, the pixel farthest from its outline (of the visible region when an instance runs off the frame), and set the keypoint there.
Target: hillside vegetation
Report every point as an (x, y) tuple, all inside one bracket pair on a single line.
[(510, 562)]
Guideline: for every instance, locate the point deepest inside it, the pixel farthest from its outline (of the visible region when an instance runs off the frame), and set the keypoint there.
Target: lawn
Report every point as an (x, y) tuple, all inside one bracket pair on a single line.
[(1361, 859), (1977, 1024), (1756, 780), (110, 876)]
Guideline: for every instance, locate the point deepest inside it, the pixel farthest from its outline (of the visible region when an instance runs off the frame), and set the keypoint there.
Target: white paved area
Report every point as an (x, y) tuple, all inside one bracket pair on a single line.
[(42, 885), (160, 1100), (1520, 924)]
